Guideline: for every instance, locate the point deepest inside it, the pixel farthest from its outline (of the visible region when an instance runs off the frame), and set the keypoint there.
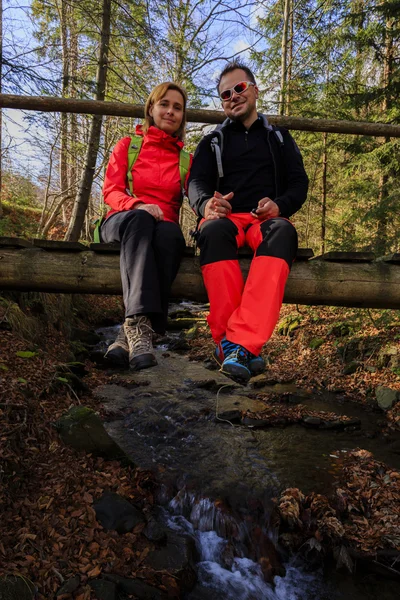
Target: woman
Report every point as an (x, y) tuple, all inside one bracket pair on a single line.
[(146, 221)]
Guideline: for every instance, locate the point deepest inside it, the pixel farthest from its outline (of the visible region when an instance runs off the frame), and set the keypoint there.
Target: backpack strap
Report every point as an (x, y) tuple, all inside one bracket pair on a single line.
[(133, 152), (96, 233), (184, 166)]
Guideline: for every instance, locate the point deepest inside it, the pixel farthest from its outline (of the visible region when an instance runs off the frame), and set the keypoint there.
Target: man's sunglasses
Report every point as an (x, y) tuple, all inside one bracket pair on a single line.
[(239, 88)]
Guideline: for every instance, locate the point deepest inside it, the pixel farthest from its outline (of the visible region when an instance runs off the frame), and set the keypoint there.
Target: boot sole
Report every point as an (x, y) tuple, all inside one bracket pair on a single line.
[(236, 374), (117, 358), (144, 361)]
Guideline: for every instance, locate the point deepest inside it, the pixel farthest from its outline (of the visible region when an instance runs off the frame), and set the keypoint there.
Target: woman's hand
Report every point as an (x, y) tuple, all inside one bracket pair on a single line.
[(154, 210)]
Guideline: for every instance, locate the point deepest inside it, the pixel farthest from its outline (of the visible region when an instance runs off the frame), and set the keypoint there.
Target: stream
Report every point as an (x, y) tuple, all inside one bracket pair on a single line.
[(218, 479)]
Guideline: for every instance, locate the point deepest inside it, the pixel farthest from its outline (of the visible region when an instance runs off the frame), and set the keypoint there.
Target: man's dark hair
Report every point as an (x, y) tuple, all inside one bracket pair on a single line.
[(232, 66)]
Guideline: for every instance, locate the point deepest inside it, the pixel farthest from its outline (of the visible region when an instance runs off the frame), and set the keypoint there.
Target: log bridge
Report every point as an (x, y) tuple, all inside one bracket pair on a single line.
[(356, 279)]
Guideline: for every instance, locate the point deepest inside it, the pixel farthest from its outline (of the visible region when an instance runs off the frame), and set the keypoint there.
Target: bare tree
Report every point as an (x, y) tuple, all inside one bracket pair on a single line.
[(83, 195)]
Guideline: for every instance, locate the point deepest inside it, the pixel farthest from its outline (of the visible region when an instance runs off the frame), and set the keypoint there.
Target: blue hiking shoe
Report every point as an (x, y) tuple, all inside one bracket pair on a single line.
[(237, 364), (225, 347)]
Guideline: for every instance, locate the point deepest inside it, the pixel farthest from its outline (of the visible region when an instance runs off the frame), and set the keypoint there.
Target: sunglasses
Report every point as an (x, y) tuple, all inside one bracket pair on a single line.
[(239, 88)]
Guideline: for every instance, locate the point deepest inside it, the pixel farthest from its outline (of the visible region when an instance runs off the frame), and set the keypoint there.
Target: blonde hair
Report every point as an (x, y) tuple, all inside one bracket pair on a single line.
[(157, 94)]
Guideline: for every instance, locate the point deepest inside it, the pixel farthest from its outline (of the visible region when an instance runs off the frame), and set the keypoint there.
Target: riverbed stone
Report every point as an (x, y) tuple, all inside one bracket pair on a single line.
[(70, 586), (86, 337), (312, 421), (81, 428), (104, 590), (154, 531), (115, 513), (13, 587), (386, 397), (178, 556), (137, 587)]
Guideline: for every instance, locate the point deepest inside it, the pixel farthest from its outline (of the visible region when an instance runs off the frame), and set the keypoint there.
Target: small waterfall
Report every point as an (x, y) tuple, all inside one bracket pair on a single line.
[(232, 555)]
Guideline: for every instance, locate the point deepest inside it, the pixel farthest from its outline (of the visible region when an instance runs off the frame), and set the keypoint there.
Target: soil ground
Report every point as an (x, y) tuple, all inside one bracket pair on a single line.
[(48, 531)]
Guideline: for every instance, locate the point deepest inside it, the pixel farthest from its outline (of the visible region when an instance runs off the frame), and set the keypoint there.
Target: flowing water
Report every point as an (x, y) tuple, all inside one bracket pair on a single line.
[(219, 479)]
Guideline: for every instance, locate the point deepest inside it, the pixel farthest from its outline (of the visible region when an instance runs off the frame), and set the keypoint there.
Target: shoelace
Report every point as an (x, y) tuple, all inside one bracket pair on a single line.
[(227, 347), (140, 336), (240, 354)]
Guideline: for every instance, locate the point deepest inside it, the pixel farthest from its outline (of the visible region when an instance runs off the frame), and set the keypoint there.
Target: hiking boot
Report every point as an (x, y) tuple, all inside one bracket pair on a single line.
[(118, 352), (139, 335), (256, 363), (237, 364)]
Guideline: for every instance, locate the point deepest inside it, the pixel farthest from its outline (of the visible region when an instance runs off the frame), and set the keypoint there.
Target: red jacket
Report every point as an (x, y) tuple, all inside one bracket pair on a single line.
[(155, 174)]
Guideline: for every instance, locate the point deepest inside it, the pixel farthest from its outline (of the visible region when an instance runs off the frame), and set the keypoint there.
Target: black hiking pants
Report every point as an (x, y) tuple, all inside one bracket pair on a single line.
[(150, 256)]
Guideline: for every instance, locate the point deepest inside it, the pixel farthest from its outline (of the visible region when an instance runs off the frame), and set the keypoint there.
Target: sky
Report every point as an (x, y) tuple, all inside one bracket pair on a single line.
[(21, 135)]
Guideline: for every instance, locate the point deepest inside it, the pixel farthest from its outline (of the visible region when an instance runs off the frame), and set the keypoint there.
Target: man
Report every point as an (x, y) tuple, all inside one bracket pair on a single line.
[(245, 198)]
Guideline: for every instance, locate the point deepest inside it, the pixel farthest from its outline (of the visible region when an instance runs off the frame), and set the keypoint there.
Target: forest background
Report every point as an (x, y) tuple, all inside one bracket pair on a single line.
[(335, 59)]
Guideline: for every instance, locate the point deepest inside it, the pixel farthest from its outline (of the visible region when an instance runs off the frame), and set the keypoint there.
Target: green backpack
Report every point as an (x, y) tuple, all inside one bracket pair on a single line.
[(133, 152)]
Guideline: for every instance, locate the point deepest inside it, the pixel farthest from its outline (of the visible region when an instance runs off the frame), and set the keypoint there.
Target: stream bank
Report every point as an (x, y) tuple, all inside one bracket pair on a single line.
[(189, 425)]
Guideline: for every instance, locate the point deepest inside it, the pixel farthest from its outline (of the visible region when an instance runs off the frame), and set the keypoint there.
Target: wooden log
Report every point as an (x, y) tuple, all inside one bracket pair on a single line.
[(119, 109), (359, 284)]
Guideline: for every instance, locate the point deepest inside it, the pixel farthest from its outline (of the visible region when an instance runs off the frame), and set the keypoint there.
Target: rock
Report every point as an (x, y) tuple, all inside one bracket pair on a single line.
[(288, 325), (234, 416), (86, 337), (81, 429), (180, 346), (351, 367), (104, 590), (395, 447), (70, 380), (312, 421), (315, 343), (336, 424), (178, 557), (115, 513), (154, 531), (70, 586), (136, 587), (13, 587), (260, 381), (386, 397), (211, 365), (389, 356), (250, 422), (341, 330), (203, 592)]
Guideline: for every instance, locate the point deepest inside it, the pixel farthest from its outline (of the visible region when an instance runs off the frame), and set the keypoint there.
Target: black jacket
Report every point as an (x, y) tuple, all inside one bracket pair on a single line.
[(256, 164)]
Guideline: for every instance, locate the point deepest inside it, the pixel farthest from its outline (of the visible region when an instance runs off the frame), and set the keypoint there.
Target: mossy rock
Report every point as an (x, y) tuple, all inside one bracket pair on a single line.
[(315, 343), (14, 587), (82, 429), (386, 397), (288, 325), (341, 330), (389, 356)]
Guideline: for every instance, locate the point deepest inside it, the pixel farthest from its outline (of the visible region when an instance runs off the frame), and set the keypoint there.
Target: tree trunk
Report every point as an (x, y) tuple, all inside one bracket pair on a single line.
[(82, 197), (63, 173), (74, 63), (387, 74), (284, 49), (1, 112), (290, 60), (324, 188)]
